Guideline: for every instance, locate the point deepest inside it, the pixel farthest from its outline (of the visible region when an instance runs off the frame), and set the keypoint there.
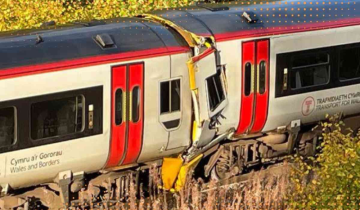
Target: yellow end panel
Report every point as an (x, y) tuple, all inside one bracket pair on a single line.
[(207, 44), (191, 68), (194, 131), (170, 170), (184, 171)]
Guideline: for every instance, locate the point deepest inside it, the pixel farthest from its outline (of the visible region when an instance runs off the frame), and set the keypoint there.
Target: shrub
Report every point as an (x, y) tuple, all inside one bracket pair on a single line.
[(26, 14), (331, 180)]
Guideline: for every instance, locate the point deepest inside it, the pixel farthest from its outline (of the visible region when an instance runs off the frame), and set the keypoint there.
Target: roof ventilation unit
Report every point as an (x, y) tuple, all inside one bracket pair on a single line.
[(212, 7), (91, 23), (105, 41), (39, 39), (250, 17)]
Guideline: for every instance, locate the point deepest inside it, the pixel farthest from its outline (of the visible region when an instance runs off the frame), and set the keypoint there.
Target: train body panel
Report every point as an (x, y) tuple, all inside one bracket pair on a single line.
[(167, 99), (72, 153), (294, 106), (225, 22), (179, 135), (88, 62), (231, 57), (37, 160), (313, 103)]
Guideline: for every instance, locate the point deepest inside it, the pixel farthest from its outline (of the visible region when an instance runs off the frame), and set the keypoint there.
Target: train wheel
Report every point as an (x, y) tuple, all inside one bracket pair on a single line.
[(225, 166)]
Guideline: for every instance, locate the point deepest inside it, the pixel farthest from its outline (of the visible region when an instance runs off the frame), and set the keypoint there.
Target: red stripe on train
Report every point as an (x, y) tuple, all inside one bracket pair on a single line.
[(207, 52)]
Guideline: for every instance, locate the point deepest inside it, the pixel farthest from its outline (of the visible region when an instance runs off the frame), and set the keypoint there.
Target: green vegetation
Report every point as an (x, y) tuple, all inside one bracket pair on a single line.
[(26, 14), (331, 180)]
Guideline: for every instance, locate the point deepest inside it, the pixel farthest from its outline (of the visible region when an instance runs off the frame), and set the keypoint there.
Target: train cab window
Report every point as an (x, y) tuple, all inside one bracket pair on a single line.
[(215, 90), (170, 92), (349, 63), (118, 107), (135, 106), (309, 70), (7, 126), (57, 117)]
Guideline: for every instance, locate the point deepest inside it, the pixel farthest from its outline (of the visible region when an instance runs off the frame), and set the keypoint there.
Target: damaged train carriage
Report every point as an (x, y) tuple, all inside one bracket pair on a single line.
[(240, 83)]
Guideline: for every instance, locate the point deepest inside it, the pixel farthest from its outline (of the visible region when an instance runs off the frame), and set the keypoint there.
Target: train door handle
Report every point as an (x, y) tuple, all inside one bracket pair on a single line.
[(130, 106), (285, 79), (124, 106), (91, 116), (252, 78)]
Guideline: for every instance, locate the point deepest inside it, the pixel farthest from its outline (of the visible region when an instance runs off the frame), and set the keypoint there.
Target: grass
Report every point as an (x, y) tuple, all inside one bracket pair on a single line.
[(263, 191)]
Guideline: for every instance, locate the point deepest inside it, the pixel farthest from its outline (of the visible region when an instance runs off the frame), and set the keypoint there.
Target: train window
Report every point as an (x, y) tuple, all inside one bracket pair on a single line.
[(175, 95), (7, 126), (262, 77), (118, 106), (164, 97), (170, 93), (135, 106), (349, 63), (313, 70), (247, 82), (310, 70), (215, 90), (57, 117)]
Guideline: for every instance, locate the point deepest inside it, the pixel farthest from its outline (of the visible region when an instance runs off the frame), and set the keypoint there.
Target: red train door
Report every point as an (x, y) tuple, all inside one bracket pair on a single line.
[(126, 114), (262, 86), (255, 86), (135, 114)]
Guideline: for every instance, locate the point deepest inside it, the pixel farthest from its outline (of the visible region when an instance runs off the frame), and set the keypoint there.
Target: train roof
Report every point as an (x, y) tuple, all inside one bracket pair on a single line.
[(120, 36), (225, 21)]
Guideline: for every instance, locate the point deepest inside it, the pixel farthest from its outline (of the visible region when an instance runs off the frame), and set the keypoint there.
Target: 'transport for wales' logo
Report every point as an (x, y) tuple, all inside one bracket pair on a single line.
[(308, 106)]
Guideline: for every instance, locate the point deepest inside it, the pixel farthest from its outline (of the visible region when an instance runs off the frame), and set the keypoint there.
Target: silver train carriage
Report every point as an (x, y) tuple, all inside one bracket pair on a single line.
[(175, 86)]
